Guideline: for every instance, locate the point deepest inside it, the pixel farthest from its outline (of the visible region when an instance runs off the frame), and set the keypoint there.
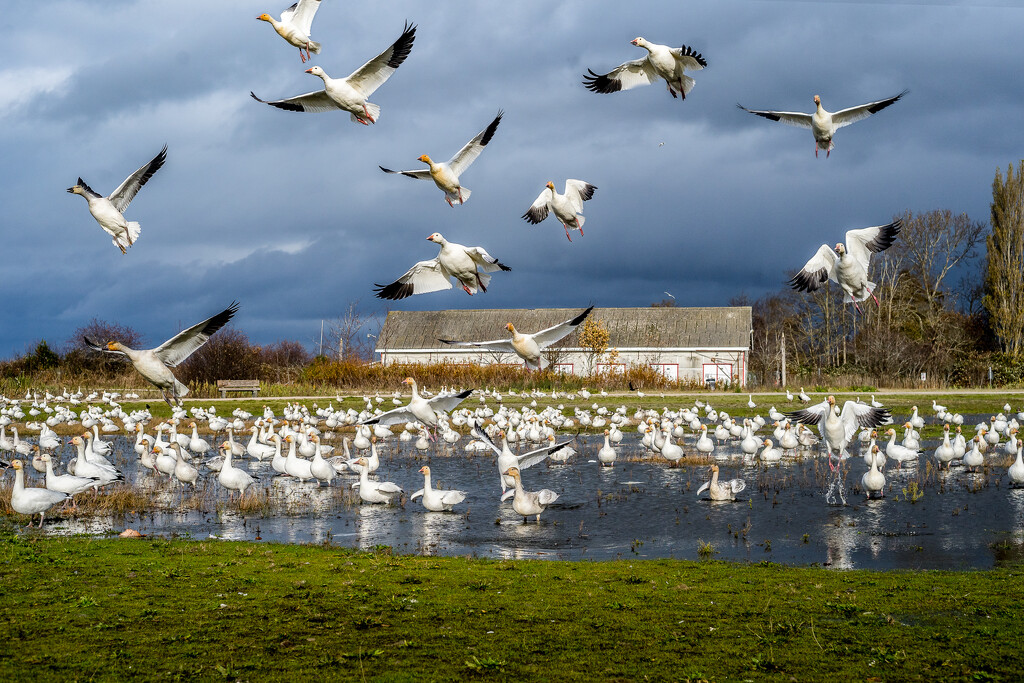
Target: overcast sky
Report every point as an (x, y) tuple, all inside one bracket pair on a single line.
[(289, 214)]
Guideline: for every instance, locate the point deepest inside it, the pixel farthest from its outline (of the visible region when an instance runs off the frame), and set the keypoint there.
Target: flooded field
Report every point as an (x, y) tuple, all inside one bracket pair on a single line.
[(641, 507)]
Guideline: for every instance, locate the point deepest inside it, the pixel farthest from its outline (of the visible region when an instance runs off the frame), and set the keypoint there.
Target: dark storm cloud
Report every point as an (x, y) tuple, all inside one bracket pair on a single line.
[(289, 214)]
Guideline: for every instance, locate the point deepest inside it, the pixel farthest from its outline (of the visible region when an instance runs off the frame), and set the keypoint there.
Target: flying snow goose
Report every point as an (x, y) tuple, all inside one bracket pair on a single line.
[(155, 364), (109, 211), (350, 94), (836, 427), (295, 25), (437, 500), (419, 409), (528, 503), (446, 175), (661, 61), (529, 346), (721, 490), (453, 261), (822, 123), (566, 207), (847, 265), (32, 501)]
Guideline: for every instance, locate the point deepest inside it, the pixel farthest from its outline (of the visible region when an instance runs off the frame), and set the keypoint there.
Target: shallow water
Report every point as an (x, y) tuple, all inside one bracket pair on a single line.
[(640, 508)]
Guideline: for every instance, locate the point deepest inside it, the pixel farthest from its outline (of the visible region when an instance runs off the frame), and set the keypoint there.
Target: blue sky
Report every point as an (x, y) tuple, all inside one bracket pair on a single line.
[(289, 214)]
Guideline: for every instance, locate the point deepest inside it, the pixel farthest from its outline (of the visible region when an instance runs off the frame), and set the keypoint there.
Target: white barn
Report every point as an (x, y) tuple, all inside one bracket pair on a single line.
[(687, 344)]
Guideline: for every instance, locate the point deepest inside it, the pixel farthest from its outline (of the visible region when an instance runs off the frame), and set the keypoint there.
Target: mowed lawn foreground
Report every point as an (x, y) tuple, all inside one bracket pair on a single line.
[(154, 609)]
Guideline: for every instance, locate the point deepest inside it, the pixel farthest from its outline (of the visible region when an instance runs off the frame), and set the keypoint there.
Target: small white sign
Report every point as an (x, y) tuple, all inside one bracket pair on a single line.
[(924, 376)]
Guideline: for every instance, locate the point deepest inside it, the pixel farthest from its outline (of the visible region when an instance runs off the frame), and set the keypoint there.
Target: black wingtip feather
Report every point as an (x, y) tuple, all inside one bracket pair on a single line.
[(394, 291), (221, 319), (501, 265), (808, 282), (493, 126), (581, 317), (287, 106), (886, 236), (600, 83), (401, 48), (690, 52), (588, 192)]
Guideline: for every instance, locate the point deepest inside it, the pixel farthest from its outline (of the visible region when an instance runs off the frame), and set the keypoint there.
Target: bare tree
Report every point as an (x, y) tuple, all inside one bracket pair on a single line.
[(346, 334)]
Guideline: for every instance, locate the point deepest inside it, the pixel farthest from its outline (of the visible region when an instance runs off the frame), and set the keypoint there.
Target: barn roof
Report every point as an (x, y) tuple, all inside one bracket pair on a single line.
[(660, 327)]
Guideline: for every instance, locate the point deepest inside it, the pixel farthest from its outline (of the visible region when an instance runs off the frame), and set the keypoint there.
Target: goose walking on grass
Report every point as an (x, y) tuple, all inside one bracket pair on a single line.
[(824, 124), (453, 261), (32, 501), (566, 207), (295, 26), (375, 491), (420, 409), (446, 174), (529, 347), (351, 93), (109, 211), (721, 490), (155, 364), (847, 264), (662, 62), (437, 500), (529, 503)]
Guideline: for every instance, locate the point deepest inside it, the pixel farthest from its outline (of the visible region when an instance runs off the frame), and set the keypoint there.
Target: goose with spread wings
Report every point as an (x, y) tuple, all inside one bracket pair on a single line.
[(566, 207), (822, 123), (155, 364), (529, 346), (838, 427), (419, 409), (662, 61), (295, 26), (847, 264), (507, 459), (446, 174), (453, 261), (109, 211), (351, 93)]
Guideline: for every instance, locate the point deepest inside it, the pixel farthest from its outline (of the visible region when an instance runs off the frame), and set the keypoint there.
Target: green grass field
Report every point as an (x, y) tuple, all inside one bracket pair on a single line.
[(78, 609)]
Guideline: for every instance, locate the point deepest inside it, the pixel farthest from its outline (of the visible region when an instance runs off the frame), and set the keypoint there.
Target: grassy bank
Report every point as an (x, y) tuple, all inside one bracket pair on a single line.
[(157, 609)]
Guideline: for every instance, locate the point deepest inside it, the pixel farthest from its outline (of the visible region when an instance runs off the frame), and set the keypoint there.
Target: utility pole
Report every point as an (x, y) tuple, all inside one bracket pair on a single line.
[(321, 337), (783, 359)]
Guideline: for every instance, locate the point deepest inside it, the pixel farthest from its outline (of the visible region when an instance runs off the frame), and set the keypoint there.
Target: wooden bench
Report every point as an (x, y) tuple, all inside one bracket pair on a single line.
[(226, 385)]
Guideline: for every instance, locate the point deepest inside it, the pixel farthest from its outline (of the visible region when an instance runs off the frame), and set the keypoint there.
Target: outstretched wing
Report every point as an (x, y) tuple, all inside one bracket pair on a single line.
[(856, 415), (704, 487), (423, 174), (538, 211), (96, 346), (845, 117), (862, 243), (482, 435), (182, 345), (502, 345), (536, 456), (547, 337), (736, 485), (623, 77), (445, 404), (821, 267), (485, 260), (811, 415), (690, 58), (424, 277), (577, 192), (370, 76), (471, 150), (126, 191), (300, 15), (311, 102), (792, 118), (391, 417)]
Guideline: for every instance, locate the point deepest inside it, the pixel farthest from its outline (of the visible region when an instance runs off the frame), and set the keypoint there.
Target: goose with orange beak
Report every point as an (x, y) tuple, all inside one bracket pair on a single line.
[(529, 347), (420, 409), (453, 261), (566, 207), (446, 174), (295, 26)]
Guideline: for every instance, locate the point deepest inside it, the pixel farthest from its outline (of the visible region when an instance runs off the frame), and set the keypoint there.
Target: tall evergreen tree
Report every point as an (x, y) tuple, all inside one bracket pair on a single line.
[(1004, 278)]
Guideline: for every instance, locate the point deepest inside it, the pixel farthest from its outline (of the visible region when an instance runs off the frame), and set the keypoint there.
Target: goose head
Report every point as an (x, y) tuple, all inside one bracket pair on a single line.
[(511, 328), (817, 101), (265, 17), (840, 249), (425, 159), (425, 470), (638, 41), (436, 237)]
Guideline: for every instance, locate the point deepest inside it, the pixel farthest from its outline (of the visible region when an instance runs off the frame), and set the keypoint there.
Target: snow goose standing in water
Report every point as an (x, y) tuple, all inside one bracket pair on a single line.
[(374, 491), (155, 364), (32, 501), (528, 503), (847, 265), (529, 346), (109, 211), (662, 61), (295, 25), (350, 94), (873, 480), (566, 207), (446, 174), (822, 123), (722, 490), (454, 260), (437, 500), (233, 478)]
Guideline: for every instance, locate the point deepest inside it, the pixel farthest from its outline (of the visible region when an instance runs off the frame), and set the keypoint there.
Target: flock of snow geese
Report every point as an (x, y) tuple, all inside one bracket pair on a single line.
[(294, 443)]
